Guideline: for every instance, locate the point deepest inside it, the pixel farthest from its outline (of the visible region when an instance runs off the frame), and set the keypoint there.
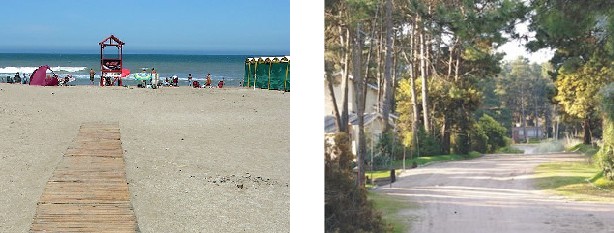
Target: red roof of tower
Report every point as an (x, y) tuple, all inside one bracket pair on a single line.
[(111, 39)]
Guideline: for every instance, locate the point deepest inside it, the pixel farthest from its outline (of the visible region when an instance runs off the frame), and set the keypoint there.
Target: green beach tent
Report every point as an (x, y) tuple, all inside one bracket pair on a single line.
[(271, 73)]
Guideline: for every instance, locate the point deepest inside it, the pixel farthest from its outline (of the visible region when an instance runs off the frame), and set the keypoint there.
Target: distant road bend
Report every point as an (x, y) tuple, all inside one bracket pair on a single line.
[(494, 194)]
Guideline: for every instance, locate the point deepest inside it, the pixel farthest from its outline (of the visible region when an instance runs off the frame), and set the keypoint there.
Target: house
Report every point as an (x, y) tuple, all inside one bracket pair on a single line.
[(532, 132), (373, 120)]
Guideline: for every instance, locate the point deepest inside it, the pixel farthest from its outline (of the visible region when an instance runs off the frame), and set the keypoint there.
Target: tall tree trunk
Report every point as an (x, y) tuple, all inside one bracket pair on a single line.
[(586, 126), (445, 134), (414, 103), (345, 83), (524, 120), (450, 52), (548, 121), (537, 134), (425, 106), (387, 89), (412, 83), (536, 114), (331, 93), (378, 70), (359, 87)]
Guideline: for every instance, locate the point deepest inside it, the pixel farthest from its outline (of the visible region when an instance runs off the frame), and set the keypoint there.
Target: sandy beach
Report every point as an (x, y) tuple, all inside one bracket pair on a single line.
[(187, 151)]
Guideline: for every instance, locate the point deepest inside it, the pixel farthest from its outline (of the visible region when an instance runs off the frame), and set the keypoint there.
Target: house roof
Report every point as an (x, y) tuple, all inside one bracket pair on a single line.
[(331, 127)]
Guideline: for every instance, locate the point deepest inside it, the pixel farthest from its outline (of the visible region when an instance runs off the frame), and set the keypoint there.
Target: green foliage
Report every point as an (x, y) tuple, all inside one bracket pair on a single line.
[(479, 139), (381, 162), (494, 131), (582, 34), (606, 97), (389, 146), (346, 208), (487, 135), (462, 140), (588, 150), (474, 154), (428, 144), (605, 160), (404, 110), (577, 89), (605, 156)]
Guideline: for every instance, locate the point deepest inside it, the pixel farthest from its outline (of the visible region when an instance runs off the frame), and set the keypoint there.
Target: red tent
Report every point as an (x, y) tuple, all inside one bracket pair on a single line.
[(39, 77)]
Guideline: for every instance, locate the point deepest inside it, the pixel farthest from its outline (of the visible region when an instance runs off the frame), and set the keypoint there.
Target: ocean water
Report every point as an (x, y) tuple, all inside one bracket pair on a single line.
[(229, 67)]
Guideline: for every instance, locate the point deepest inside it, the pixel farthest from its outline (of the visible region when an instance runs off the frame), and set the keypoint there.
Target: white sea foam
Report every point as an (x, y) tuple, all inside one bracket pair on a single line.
[(67, 69), (30, 69)]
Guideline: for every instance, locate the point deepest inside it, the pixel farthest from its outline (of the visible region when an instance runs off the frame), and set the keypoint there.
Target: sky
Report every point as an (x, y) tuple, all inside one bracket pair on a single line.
[(516, 48), (155, 26)]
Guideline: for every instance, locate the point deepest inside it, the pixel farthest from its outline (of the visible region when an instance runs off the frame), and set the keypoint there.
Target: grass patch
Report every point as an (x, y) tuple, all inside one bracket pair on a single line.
[(509, 150), (391, 208), (569, 179), (420, 161), (588, 150), (430, 159), (534, 141), (378, 174)]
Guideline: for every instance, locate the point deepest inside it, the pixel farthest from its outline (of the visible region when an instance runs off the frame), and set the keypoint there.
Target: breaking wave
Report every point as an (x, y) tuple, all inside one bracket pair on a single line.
[(30, 69)]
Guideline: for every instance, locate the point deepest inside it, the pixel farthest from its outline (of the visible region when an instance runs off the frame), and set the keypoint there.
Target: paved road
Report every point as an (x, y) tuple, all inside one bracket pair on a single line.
[(494, 194)]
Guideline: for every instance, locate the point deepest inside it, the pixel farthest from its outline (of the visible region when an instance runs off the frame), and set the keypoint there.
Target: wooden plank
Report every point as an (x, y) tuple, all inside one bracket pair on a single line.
[(88, 191)]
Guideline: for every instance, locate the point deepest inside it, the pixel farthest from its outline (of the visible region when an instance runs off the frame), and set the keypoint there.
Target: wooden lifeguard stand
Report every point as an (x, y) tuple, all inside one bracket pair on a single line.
[(111, 67)]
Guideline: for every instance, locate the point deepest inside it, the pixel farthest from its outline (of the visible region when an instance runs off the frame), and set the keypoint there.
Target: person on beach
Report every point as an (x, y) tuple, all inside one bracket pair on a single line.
[(208, 81), (17, 78), (221, 83), (143, 82), (92, 73), (189, 79), (175, 80), (154, 78), (57, 78)]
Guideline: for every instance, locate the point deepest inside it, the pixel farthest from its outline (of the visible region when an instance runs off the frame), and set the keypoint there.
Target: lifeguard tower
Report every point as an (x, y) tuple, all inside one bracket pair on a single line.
[(111, 66)]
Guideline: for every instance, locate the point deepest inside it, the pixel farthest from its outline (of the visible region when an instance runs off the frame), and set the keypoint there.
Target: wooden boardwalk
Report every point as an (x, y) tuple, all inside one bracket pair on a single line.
[(88, 191)]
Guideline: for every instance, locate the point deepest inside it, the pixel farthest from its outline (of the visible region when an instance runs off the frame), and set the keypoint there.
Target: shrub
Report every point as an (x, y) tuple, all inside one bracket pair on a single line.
[(478, 139), (605, 156), (487, 135), (461, 142), (381, 162), (389, 145), (346, 208), (428, 144), (473, 154), (494, 131)]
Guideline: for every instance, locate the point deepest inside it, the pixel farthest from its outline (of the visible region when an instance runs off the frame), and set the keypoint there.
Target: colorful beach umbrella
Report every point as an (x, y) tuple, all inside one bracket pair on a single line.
[(142, 76), (125, 72)]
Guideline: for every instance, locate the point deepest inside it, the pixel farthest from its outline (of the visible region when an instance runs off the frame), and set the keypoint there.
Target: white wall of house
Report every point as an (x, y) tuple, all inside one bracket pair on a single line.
[(370, 101), (372, 129)]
